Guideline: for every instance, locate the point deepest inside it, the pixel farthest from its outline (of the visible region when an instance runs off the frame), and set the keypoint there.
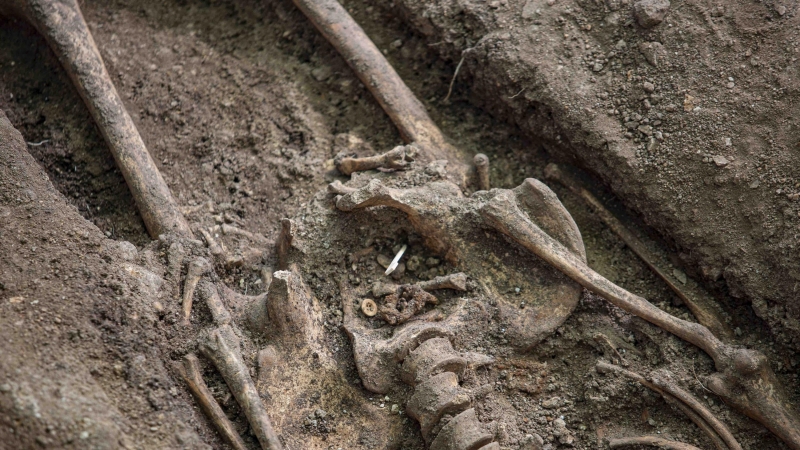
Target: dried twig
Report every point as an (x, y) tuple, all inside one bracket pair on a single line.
[(453, 80), (190, 372), (703, 307), (652, 441)]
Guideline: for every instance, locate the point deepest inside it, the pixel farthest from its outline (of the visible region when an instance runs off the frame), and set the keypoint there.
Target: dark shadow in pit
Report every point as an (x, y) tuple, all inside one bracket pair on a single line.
[(42, 104)]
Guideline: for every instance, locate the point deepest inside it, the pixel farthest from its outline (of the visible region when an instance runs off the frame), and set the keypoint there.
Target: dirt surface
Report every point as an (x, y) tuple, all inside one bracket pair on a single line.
[(243, 106), (691, 121)]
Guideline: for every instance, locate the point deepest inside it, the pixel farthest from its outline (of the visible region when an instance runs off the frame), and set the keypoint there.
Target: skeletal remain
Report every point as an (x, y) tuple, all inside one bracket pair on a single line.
[(372, 68), (481, 162), (456, 281), (719, 434), (700, 304), (403, 304), (62, 25), (397, 158), (653, 441), (743, 379), (197, 268), (441, 215), (190, 371)]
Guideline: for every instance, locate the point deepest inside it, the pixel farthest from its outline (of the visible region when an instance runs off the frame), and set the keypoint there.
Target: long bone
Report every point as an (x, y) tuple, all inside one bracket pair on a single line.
[(743, 379), (369, 64), (62, 25)]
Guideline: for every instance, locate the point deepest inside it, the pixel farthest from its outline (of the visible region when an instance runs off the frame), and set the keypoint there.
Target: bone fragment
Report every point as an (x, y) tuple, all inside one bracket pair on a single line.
[(338, 188), (743, 379), (652, 441), (397, 158), (719, 434), (62, 25), (190, 372), (456, 281), (481, 162), (700, 304), (221, 346), (197, 268)]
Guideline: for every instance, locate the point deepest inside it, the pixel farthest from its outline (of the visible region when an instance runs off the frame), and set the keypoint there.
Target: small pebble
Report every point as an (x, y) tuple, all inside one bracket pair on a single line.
[(649, 13), (648, 87), (720, 160)]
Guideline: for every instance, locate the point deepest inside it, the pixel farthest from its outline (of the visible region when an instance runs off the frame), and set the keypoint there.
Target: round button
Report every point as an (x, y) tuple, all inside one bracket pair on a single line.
[(368, 307)]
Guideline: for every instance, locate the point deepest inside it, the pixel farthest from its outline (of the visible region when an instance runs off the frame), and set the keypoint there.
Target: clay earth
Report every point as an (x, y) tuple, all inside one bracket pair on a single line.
[(690, 123)]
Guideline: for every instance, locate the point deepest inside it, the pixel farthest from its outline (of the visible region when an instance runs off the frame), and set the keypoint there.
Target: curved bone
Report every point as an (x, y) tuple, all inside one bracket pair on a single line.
[(653, 441), (744, 378), (62, 25)]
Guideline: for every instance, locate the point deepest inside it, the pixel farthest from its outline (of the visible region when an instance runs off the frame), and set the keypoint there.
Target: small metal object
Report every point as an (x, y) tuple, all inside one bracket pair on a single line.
[(368, 307), (396, 260)]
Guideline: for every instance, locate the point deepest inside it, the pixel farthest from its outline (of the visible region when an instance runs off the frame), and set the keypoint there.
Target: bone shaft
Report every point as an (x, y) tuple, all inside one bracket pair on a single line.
[(192, 375), (230, 365), (372, 68), (703, 309), (651, 441), (553, 252), (62, 24), (350, 165)]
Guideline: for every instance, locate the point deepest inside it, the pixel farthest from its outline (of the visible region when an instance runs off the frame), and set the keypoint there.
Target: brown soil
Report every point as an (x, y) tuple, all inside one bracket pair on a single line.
[(243, 105)]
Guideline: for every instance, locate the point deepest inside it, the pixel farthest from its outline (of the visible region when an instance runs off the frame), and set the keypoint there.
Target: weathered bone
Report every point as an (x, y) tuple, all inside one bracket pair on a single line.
[(481, 162), (396, 158), (190, 372), (221, 346), (432, 357), (372, 68), (435, 397), (743, 379), (701, 305), (62, 25), (197, 268), (398, 307), (463, 431), (455, 281), (719, 434), (652, 441)]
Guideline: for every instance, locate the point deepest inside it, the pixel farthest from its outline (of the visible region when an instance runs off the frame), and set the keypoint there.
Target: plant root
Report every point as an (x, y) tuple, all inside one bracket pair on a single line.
[(398, 158), (62, 25), (700, 304), (744, 379), (190, 372), (719, 434), (652, 441)]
